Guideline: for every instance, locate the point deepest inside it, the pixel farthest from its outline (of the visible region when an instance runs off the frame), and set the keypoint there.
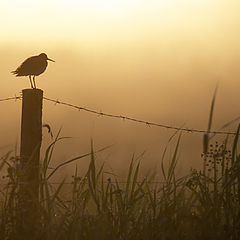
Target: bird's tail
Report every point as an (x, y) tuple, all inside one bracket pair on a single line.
[(14, 72)]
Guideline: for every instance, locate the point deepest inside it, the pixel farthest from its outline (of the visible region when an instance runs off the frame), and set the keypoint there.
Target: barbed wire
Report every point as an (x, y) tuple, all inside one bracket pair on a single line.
[(148, 123), (11, 98), (71, 183)]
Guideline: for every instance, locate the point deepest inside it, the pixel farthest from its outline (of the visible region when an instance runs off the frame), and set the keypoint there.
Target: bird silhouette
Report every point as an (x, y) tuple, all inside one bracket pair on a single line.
[(33, 66)]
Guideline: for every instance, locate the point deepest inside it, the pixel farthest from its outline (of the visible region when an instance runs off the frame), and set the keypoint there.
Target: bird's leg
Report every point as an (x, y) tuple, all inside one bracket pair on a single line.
[(30, 81), (34, 83)]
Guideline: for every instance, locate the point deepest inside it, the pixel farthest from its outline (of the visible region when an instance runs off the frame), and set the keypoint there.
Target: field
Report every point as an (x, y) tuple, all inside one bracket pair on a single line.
[(204, 204)]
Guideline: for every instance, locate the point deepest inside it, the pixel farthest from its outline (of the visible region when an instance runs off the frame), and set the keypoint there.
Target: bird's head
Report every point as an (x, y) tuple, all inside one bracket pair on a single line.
[(45, 57)]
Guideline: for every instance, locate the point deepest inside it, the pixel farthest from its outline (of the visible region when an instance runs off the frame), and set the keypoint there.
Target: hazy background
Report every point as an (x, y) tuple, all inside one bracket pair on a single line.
[(153, 60)]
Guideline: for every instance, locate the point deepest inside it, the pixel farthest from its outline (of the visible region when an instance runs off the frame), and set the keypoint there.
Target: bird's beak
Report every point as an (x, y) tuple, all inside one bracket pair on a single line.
[(50, 60)]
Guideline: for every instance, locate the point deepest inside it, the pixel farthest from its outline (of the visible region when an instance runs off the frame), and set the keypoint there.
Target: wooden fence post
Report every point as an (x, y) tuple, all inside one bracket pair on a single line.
[(31, 137)]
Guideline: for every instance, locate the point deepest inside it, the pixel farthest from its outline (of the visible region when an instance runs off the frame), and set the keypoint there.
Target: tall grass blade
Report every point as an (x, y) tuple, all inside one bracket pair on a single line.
[(206, 135)]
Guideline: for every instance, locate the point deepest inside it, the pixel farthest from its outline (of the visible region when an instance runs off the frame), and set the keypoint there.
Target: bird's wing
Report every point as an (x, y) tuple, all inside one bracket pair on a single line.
[(26, 67)]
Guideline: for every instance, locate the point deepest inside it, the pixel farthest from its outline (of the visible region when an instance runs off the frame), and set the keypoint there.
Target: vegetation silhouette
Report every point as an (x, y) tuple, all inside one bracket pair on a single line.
[(33, 66)]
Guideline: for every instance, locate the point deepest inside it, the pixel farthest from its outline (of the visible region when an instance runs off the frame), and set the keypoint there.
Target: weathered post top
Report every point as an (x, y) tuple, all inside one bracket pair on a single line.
[(32, 92)]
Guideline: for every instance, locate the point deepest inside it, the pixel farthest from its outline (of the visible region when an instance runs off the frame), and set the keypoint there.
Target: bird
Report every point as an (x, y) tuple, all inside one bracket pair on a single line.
[(32, 67)]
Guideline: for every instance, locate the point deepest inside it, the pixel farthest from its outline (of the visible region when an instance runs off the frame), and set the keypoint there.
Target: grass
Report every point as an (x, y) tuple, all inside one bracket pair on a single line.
[(205, 204)]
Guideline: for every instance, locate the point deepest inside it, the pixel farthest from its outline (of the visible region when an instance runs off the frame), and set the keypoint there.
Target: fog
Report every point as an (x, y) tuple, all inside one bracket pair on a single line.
[(162, 71)]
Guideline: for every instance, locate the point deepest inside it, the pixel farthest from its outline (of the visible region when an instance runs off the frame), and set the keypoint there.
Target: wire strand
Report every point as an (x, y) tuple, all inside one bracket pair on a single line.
[(11, 98), (71, 183), (148, 123)]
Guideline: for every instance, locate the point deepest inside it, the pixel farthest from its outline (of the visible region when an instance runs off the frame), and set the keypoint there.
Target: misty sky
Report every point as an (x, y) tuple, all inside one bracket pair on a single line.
[(150, 59)]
